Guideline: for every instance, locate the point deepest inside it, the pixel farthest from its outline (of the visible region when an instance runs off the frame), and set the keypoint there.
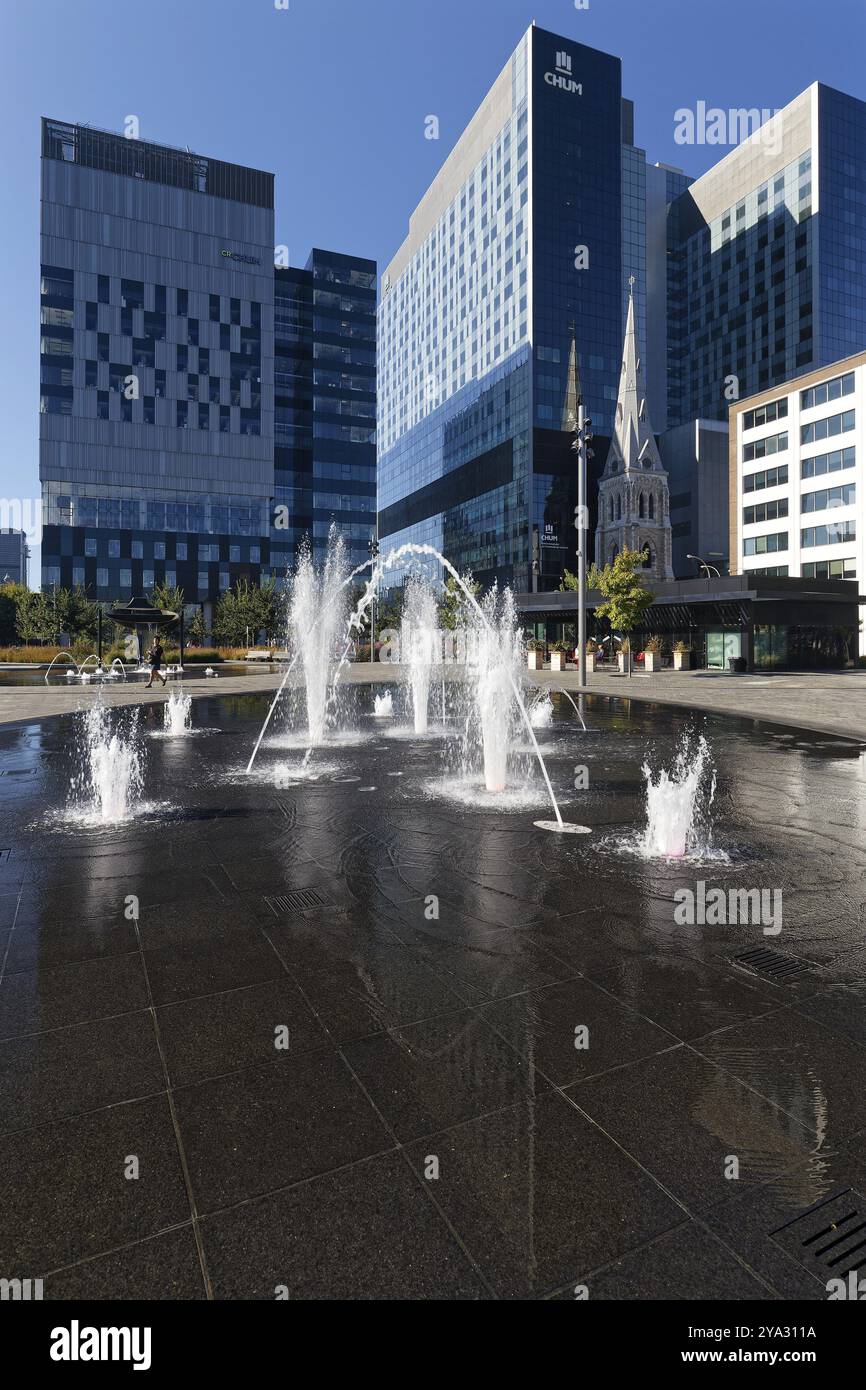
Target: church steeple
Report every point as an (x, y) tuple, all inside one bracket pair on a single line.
[(634, 504)]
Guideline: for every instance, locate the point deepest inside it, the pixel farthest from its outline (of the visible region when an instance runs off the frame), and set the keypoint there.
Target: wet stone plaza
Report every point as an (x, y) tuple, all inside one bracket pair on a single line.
[(350, 1024)]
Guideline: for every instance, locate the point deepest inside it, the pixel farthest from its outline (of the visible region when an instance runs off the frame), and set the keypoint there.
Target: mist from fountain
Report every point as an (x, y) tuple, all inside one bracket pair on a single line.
[(418, 644), (177, 713), (111, 773)]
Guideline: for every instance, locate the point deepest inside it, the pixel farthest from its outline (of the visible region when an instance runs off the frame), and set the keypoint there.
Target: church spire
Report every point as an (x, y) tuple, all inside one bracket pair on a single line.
[(633, 446), (633, 501), (573, 393)]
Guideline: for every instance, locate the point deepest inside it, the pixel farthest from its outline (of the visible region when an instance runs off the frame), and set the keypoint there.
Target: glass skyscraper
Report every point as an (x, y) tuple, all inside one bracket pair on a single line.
[(768, 257), (325, 396), (519, 237), (164, 455)]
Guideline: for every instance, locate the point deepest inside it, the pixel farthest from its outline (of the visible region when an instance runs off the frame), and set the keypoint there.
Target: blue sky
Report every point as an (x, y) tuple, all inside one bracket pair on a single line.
[(332, 96)]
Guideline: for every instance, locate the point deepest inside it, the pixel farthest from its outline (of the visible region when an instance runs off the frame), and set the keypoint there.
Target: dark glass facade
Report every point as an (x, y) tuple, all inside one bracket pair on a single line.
[(171, 452), (775, 284), (475, 322), (325, 405)]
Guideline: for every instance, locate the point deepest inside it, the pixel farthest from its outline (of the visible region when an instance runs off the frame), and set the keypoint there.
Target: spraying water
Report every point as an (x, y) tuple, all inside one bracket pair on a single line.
[(356, 623), (420, 631), (541, 712), (383, 705), (109, 781), (317, 616), (177, 713), (678, 804)]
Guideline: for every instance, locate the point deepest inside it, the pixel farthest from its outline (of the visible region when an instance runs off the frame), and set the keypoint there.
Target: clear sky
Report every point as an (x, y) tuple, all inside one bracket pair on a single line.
[(332, 96)]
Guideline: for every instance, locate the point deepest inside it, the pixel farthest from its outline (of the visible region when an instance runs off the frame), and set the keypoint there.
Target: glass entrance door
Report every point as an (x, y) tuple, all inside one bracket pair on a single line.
[(721, 647)]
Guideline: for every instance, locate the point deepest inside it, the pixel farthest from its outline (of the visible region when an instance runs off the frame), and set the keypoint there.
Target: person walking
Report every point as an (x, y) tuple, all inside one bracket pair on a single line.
[(155, 656)]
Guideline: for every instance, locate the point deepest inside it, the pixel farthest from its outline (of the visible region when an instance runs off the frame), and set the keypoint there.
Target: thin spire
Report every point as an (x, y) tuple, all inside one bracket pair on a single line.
[(633, 445), (574, 391)]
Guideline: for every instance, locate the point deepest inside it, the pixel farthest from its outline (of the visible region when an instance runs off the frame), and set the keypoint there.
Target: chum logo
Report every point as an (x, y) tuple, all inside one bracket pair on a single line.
[(562, 77)]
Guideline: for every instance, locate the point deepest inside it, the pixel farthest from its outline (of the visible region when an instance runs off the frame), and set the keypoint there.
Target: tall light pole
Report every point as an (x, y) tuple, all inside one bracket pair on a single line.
[(576, 419), (584, 453), (373, 547)]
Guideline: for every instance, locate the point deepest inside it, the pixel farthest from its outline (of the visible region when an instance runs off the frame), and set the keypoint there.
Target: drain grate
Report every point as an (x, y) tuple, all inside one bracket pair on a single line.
[(297, 901), (772, 963), (828, 1239)]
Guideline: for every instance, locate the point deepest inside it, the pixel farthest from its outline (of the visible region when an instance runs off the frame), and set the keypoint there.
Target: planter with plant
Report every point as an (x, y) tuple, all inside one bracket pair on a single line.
[(535, 655), (653, 654), (558, 656), (682, 656)]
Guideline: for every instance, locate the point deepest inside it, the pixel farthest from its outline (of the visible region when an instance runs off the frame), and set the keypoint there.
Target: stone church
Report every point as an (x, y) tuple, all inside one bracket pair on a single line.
[(633, 498)]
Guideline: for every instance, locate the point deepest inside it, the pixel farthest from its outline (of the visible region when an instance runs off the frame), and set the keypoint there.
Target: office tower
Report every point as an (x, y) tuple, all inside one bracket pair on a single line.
[(325, 405), (14, 555), (767, 257), (156, 431), (519, 235)]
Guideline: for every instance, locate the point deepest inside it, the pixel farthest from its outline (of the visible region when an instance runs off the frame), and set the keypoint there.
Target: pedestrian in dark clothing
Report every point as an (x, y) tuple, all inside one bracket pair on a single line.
[(155, 656)]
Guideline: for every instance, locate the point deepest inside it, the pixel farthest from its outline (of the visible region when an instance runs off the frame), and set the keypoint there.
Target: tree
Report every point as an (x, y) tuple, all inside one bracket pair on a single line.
[(626, 597), (454, 600), (194, 628), (36, 616), (9, 597), (168, 597), (389, 614), (246, 610)]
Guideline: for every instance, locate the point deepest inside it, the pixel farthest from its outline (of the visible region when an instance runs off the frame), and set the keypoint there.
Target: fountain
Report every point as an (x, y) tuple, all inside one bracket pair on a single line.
[(677, 814), (541, 711), (316, 607), (111, 775), (177, 713), (494, 653), (418, 645), (383, 705), (316, 618)]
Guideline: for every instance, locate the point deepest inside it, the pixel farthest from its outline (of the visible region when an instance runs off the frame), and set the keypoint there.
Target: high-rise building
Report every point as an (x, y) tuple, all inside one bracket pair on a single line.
[(325, 398), (519, 236), (768, 258), (156, 437), (14, 555), (164, 457)]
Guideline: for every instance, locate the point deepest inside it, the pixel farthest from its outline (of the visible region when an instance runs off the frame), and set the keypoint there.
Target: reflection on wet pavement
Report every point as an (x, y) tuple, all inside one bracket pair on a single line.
[(369, 1038)]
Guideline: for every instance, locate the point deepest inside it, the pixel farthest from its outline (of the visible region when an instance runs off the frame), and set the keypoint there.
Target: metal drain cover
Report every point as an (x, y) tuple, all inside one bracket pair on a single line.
[(772, 964), (829, 1239), (297, 901)]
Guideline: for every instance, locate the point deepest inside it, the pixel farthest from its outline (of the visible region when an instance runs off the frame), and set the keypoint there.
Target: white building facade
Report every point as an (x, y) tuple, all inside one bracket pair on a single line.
[(798, 490)]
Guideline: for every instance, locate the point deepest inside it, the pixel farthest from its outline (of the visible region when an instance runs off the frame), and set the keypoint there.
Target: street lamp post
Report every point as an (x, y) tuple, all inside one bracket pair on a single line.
[(583, 435), (704, 566), (373, 547)]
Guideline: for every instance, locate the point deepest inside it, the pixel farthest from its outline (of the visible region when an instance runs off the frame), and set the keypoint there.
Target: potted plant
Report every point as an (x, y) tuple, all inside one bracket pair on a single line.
[(558, 656), (623, 656), (653, 654), (535, 655), (682, 657), (591, 655)]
